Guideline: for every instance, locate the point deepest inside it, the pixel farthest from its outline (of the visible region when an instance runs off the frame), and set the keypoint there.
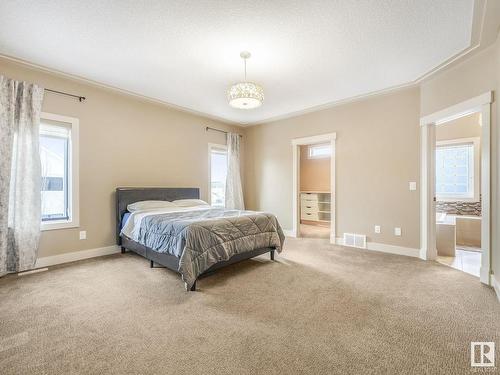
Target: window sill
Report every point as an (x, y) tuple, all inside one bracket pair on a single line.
[(54, 225)]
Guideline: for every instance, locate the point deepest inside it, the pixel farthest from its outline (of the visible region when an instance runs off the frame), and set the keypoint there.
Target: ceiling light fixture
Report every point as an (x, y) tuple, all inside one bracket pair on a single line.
[(245, 95)]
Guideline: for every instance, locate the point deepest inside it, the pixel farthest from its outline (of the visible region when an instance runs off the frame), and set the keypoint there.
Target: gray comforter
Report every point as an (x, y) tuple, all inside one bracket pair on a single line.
[(202, 238)]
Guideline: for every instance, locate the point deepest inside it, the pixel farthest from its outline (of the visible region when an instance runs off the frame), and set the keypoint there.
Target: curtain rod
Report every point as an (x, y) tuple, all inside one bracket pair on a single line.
[(218, 130), (80, 98)]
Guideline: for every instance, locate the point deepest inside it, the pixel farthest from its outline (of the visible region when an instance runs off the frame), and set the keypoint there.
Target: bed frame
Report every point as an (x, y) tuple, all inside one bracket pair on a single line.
[(125, 196)]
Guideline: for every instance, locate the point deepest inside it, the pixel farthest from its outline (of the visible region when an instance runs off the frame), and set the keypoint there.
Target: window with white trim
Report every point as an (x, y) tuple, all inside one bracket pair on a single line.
[(218, 174), (457, 170), (319, 151), (59, 168)]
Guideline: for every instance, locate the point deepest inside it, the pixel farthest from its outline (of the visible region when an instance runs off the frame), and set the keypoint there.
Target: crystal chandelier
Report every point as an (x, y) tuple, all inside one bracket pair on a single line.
[(245, 95)]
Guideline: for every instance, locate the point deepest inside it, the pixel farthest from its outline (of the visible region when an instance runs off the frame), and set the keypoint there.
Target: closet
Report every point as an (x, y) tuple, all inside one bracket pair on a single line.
[(316, 208)]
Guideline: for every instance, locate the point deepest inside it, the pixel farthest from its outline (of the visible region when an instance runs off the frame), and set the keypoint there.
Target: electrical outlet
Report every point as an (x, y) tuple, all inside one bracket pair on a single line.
[(377, 229), (413, 186), (83, 234), (397, 232)]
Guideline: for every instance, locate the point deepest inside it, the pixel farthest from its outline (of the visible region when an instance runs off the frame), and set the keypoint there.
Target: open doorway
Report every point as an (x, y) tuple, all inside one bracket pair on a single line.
[(461, 185), (309, 199), (458, 193), (315, 194)]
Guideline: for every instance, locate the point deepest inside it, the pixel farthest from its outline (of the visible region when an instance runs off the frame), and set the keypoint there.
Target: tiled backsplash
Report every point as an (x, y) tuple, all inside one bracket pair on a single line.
[(459, 208)]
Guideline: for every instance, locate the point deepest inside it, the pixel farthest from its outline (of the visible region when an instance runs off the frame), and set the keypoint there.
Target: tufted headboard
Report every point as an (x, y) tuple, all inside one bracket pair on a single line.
[(128, 195)]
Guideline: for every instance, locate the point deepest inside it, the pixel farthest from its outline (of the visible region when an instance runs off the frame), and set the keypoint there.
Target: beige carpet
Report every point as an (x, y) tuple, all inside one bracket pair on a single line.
[(317, 310)]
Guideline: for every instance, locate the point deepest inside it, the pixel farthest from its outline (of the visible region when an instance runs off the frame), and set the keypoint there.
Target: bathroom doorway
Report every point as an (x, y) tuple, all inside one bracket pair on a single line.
[(458, 193), (441, 187)]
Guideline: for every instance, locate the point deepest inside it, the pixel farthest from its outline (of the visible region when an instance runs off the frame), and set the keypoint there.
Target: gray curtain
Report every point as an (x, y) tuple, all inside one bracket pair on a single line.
[(20, 176), (234, 191)]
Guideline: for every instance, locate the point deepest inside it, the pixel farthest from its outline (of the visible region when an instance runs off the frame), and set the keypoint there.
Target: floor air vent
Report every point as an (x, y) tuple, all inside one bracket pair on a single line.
[(355, 240)]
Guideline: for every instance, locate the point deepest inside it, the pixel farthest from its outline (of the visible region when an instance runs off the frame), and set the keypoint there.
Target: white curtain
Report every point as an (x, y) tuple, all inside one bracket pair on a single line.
[(234, 191), (20, 176)]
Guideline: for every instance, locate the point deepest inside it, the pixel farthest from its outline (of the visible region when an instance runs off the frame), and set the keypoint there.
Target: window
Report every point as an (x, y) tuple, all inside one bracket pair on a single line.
[(54, 149), (457, 170), (59, 167), (320, 151), (217, 174)]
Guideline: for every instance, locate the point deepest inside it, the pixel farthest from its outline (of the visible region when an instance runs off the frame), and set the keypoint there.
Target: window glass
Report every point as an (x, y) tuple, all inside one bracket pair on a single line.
[(54, 156), (320, 151), (218, 173), (455, 171)]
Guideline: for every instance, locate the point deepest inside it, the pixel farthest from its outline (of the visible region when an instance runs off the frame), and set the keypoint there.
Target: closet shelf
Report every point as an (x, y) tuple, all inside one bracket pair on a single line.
[(316, 206)]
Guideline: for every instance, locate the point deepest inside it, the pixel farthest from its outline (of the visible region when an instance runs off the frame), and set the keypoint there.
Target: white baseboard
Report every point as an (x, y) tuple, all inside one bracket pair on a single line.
[(75, 255), (496, 285), (385, 248), (289, 233)]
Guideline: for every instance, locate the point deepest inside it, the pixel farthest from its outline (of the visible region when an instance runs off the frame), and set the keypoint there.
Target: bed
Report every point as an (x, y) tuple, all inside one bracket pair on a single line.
[(192, 241)]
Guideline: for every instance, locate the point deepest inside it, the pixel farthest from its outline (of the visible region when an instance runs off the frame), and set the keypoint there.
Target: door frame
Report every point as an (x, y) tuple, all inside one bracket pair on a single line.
[(479, 104), (296, 143)]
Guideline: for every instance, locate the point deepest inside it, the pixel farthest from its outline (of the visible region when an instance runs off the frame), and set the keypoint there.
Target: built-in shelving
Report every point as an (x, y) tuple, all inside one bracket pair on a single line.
[(316, 206)]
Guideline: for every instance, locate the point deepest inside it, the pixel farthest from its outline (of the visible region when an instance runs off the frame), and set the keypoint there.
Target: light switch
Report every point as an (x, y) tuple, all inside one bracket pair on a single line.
[(397, 232), (377, 228), (83, 234), (413, 186)]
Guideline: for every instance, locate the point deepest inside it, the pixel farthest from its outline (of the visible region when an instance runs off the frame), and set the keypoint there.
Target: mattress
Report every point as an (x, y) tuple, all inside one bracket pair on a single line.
[(203, 236)]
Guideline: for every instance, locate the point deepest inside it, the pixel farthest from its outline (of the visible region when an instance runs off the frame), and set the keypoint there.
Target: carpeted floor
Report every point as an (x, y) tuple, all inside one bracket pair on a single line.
[(318, 309)]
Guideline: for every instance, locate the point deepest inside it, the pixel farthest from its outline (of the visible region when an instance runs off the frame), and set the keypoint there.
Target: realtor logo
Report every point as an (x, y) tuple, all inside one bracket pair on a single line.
[(482, 354)]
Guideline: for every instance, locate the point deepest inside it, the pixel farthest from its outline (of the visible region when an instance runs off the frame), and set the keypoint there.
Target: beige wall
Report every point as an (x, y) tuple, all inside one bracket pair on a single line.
[(314, 173), (124, 141), (472, 77), (377, 154), (464, 127)]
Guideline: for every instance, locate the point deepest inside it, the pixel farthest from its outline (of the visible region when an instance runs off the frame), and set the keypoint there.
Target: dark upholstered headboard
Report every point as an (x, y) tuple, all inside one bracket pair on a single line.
[(128, 195)]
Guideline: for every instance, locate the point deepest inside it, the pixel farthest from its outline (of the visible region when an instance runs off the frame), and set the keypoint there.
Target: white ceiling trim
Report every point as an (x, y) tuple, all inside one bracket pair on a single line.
[(477, 31), (478, 27), (320, 107), (118, 90), (336, 51), (358, 98)]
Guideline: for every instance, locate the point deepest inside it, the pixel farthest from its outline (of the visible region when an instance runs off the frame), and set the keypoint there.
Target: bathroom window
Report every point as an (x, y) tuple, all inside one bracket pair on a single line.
[(457, 170)]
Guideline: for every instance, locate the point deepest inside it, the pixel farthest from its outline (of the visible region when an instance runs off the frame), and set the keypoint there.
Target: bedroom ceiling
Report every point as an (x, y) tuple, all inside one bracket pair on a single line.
[(304, 53)]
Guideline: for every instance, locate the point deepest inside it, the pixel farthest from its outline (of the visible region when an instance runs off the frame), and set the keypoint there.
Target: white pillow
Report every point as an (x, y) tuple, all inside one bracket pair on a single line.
[(189, 202), (149, 205)]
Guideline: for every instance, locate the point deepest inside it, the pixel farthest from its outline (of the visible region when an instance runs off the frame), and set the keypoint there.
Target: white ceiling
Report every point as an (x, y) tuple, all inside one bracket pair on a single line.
[(304, 53)]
